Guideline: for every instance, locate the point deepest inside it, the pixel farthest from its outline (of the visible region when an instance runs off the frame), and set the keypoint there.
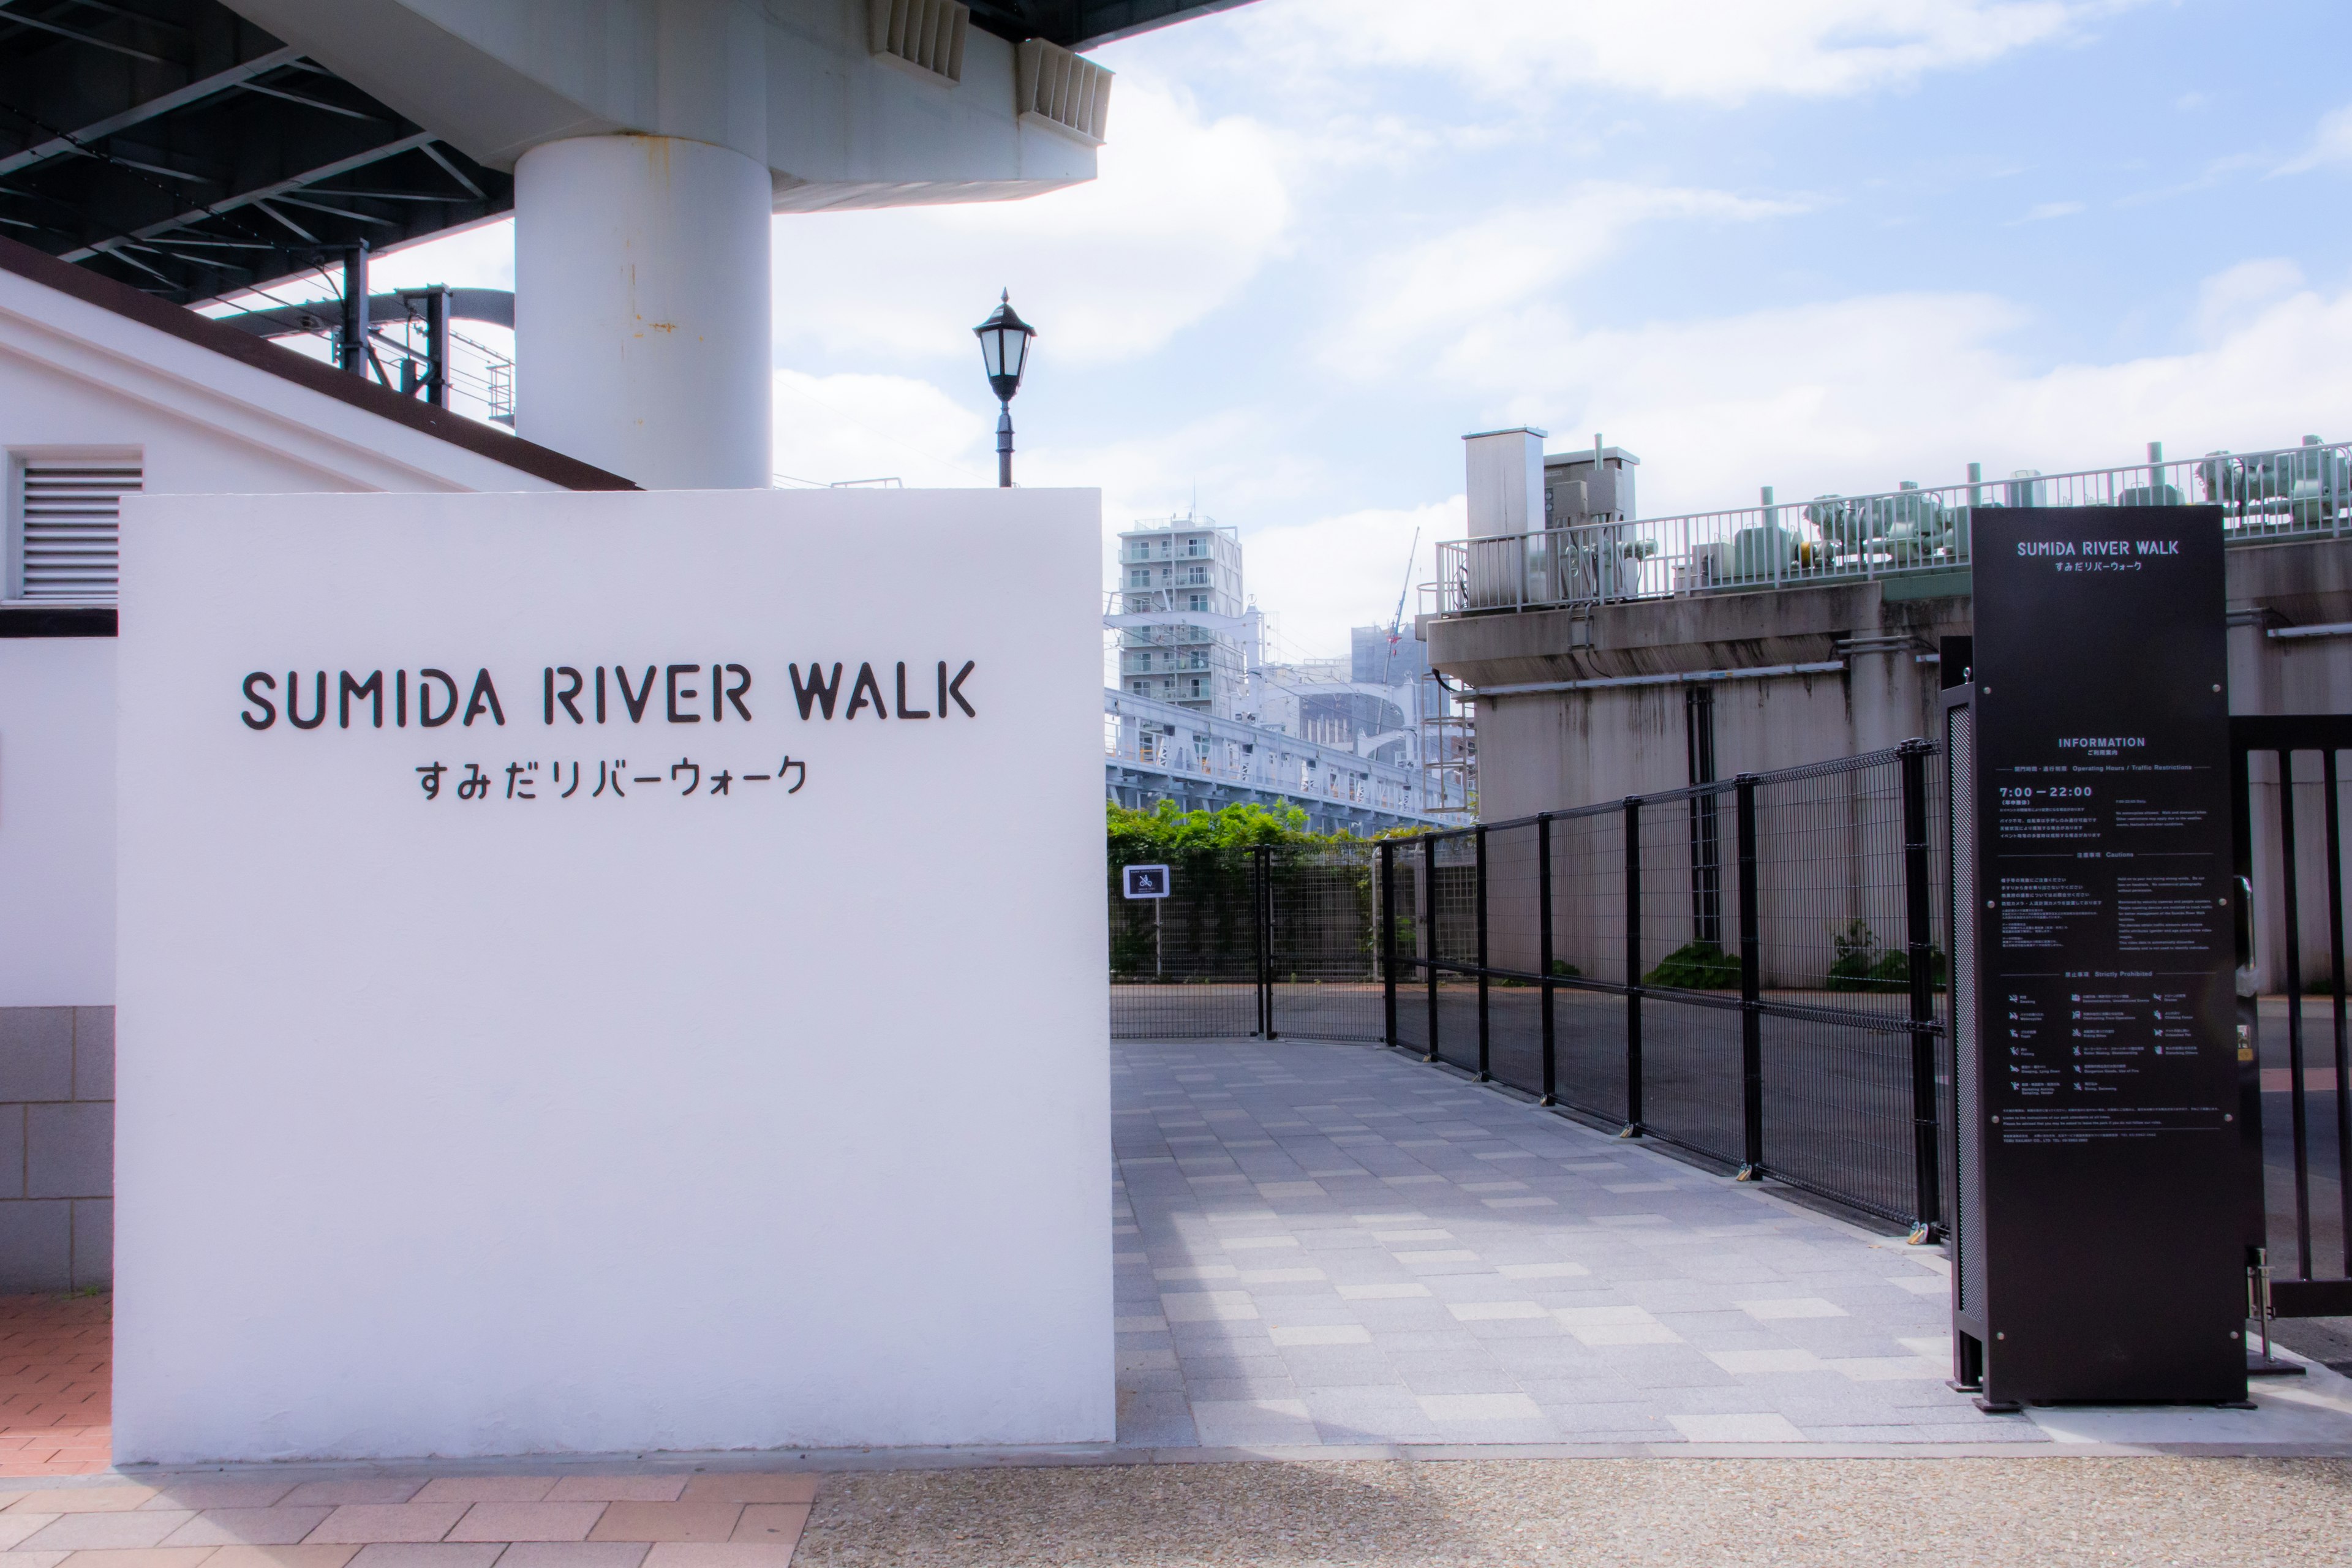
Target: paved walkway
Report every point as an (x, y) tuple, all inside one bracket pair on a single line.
[(1325, 1245)]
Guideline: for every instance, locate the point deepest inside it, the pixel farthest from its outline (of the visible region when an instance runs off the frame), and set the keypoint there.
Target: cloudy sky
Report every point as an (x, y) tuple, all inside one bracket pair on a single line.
[(1825, 245)]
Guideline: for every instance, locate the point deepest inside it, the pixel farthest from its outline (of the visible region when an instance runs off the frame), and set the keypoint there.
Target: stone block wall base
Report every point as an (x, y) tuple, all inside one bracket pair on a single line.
[(56, 1148)]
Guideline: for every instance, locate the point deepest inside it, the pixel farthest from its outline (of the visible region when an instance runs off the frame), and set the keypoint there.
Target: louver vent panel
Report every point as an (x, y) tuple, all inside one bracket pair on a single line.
[(1063, 90), (72, 536), (926, 33)]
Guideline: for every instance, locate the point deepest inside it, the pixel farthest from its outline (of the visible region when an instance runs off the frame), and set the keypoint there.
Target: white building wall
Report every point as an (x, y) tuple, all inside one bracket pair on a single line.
[(78, 380), (56, 821)]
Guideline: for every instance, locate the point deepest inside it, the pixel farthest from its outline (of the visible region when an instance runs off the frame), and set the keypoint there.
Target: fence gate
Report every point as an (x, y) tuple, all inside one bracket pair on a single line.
[(1323, 978), (2286, 796), (1251, 943)]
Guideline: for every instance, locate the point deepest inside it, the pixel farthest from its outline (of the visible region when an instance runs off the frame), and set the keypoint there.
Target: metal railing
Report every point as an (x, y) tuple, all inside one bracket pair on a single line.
[(2292, 902), (2291, 493), (1752, 971)]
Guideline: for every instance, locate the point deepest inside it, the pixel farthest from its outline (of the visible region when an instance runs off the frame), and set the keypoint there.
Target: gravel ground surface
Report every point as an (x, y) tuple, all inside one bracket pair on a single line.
[(1628, 1513)]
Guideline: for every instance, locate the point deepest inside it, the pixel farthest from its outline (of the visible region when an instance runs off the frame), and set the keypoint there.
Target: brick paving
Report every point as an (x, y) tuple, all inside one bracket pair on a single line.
[(749, 1519), (56, 1356)]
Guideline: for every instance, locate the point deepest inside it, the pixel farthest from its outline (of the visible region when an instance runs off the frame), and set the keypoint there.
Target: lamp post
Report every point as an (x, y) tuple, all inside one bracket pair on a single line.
[(1004, 351)]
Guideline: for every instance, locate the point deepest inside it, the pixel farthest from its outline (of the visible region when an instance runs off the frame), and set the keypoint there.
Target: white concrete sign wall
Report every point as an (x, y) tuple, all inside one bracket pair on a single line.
[(607, 973)]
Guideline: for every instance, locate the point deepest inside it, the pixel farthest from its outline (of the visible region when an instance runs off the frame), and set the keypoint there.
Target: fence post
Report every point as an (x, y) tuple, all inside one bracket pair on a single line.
[(1543, 943), (1388, 944), (1479, 846), (1260, 897), (1751, 986), (1633, 1128), (1429, 928), (1926, 1208)]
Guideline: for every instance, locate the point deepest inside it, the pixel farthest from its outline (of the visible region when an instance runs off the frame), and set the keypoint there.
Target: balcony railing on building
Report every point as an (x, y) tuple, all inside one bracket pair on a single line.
[(2295, 492)]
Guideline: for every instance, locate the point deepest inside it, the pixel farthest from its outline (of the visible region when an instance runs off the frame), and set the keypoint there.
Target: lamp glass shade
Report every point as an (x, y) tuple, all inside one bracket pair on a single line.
[(1004, 349)]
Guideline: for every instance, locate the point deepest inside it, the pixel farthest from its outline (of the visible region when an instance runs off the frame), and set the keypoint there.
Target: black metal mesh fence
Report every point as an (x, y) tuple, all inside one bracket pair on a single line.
[(1323, 941), (1186, 966), (1286, 935), (1752, 970)]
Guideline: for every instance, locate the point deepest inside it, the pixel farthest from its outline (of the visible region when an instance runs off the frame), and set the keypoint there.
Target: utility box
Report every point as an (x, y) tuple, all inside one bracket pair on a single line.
[(1594, 485), (1504, 482), (2098, 1243)]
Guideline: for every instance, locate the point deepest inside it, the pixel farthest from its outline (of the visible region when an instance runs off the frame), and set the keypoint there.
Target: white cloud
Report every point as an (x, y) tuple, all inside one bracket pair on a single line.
[(1320, 578), (2231, 299), (1467, 273), (2331, 142), (482, 257), (1721, 50), (1858, 394), (1183, 213), (2045, 211), (831, 428)]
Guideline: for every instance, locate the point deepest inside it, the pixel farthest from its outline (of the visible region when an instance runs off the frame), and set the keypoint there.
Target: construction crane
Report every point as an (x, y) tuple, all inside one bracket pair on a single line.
[(1396, 622)]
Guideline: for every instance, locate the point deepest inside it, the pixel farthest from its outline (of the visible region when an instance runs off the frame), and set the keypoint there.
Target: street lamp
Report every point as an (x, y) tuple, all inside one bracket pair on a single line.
[(1005, 350)]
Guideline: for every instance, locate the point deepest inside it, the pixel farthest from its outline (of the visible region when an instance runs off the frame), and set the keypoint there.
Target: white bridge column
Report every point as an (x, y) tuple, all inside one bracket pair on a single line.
[(641, 308)]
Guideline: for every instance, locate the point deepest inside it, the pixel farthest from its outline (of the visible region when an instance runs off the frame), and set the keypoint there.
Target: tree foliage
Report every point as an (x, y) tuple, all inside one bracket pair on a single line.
[(1141, 838)]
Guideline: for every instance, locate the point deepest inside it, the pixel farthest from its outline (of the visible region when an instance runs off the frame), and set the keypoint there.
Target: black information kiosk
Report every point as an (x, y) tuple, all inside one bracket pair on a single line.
[(2098, 1252)]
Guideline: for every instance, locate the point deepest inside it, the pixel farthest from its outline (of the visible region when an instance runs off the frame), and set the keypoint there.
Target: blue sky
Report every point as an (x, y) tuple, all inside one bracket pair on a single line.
[(1818, 244)]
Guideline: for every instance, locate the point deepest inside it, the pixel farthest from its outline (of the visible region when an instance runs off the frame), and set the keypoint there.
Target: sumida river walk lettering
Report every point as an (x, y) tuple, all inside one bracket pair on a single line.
[(599, 694)]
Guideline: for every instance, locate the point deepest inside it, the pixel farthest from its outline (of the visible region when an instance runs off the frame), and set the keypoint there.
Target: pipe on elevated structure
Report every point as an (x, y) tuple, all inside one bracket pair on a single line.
[(641, 308)]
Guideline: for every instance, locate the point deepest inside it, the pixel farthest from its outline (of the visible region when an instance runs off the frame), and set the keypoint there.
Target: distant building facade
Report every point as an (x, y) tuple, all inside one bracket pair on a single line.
[(1183, 576)]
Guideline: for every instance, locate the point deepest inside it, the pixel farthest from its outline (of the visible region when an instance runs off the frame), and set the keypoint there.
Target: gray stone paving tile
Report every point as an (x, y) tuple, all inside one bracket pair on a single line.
[(1597, 1421), (1547, 1358), (1225, 1424), (1239, 1388), (1339, 1366), (1197, 1368), (1297, 1141), (1461, 1377), (1386, 1414), (1656, 1374), (1158, 1420), (1588, 1389)]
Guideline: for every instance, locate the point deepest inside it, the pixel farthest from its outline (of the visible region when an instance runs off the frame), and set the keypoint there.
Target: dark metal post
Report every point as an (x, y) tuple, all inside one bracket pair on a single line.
[(1633, 1128), (1273, 960), (2256, 1195), (1478, 873), (2335, 963), (1543, 945), (1926, 1208), (1257, 939), (1428, 907), (351, 337), (2294, 1014), (1005, 446), (1751, 985), (437, 347), (1388, 944)]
